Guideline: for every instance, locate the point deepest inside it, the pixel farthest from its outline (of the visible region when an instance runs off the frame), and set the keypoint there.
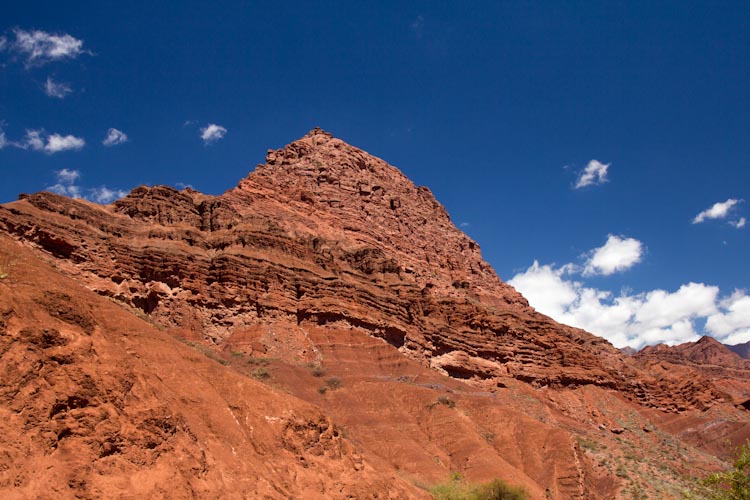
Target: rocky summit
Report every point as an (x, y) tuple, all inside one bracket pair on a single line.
[(322, 330)]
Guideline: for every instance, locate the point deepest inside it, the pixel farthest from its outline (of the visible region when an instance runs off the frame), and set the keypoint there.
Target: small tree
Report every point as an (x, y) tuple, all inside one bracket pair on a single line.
[(733, 484)]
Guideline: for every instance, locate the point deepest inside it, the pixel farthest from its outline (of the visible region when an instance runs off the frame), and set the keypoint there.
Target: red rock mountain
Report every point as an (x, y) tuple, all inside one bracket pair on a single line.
[(324, 259), (742, 350)]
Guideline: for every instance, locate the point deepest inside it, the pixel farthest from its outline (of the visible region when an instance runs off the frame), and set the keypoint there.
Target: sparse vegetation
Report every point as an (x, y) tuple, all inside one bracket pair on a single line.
[(318, 371), (260, 374), (7, 261), (459, 489), (258, 361), (334, 383), (732, 484), (442, 400), (587, 444)]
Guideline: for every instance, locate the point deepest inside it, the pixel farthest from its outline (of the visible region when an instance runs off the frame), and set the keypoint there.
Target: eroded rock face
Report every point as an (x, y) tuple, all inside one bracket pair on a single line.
[(96, 403), (326, 234)]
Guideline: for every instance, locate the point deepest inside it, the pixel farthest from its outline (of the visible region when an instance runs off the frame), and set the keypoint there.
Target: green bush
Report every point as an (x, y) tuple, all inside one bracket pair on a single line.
[(733, 484), (458, 489)]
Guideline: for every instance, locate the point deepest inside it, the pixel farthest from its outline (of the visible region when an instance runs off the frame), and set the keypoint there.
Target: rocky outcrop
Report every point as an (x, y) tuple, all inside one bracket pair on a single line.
[(705, 362)]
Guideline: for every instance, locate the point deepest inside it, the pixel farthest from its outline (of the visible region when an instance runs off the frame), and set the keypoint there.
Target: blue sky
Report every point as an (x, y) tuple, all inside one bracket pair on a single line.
[(498, 107)]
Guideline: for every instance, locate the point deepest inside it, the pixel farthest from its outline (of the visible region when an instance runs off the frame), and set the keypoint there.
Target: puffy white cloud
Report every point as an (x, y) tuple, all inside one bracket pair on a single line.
[(732, 322), (115, 137), (67, 186), (594, 174), (633, 319), (545, 288), (57, 143), (626, 319), (37, 140), (212, 133), (661, 309), (718, 210), (617, 254), (56, 89), (40, 47)]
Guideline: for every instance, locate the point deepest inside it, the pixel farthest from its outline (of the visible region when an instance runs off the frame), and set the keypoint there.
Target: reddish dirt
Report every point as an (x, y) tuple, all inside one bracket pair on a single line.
[(382, 351)]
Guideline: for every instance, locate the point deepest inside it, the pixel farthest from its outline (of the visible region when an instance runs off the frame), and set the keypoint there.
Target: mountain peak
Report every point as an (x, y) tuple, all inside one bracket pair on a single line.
[(321, 186)]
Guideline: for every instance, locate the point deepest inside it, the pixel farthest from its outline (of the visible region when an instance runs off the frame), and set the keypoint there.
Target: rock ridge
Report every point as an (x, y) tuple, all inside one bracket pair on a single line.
[(324, 233)]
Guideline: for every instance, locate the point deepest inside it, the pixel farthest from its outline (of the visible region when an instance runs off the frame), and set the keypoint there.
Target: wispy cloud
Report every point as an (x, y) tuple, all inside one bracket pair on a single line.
[(718, 210), (617, 254), (56, 89), (417, 26), (104, 195), (3, 140), (594, 174), (40, 47), (67, 185), (37, 140), (115, 137), (739, 224), (212, 133)]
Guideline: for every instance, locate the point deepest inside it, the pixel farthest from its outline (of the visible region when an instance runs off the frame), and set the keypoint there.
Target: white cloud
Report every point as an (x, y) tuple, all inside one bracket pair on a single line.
[(718, 210), (212, 133), (115, 137), (732, 322), (617, 254), (633, 319), (3, 43), (594, 174), (625, 319), (57, 143), (739, 224), (68, 176), (105, 195), (40, 47), (56, 89), (66, 186), (37, 140), (33, 140), (3, 140)]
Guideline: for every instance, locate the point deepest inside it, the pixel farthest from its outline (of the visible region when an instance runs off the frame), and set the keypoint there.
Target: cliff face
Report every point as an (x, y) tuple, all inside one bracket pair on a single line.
[(324, 233), (332, 277)]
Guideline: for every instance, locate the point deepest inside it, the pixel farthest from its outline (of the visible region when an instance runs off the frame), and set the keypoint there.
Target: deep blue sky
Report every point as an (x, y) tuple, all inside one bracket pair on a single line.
[(496, 106)]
